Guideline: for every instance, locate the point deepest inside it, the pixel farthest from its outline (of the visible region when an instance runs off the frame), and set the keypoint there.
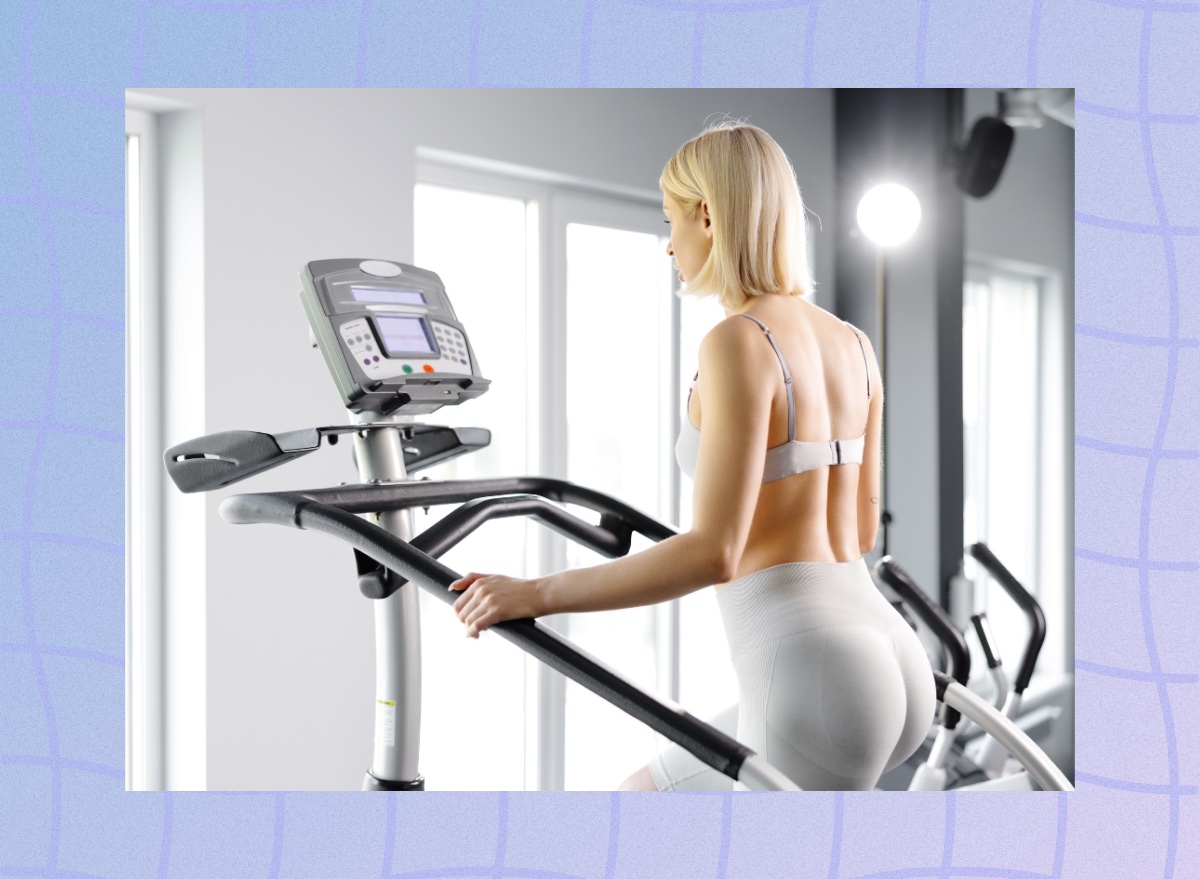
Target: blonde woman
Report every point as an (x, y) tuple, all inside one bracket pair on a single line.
[(782, 439)]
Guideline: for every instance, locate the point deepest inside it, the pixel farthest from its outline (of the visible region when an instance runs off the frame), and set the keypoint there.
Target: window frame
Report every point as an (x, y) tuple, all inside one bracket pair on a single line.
[(144, 533)]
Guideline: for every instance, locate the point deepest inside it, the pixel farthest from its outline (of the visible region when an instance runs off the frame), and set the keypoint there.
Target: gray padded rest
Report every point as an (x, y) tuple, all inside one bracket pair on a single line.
[(220, 459)]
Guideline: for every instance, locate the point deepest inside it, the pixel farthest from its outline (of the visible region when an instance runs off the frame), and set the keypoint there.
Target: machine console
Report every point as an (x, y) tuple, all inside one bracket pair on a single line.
[(389, 336)]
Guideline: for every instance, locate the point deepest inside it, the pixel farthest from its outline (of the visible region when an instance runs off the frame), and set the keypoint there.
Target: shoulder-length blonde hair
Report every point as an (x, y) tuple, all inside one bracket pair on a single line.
[(757, 213)]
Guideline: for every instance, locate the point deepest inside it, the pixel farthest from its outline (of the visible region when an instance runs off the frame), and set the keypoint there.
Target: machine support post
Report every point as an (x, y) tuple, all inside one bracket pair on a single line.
[(380, 458)]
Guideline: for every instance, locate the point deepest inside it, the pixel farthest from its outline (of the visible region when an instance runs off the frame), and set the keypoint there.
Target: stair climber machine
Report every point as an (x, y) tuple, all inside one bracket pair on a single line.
[(396, 350)]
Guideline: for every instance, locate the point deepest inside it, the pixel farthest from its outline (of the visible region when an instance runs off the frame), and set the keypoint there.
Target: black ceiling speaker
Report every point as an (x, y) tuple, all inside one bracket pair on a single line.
[(982, 159)]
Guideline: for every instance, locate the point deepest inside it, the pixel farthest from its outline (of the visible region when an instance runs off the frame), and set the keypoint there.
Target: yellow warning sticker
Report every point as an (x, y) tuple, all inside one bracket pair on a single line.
[(385, 723)]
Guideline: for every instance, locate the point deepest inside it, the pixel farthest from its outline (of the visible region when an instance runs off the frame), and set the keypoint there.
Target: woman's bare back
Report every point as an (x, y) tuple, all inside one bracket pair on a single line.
[(817, 515)]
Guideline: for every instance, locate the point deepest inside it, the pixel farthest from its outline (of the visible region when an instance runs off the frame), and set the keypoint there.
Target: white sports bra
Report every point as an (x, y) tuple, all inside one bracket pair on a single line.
[(794, 456)]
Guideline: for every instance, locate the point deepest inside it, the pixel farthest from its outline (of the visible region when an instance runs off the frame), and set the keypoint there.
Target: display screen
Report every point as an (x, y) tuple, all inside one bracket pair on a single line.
[(383, 294), (404, 335)]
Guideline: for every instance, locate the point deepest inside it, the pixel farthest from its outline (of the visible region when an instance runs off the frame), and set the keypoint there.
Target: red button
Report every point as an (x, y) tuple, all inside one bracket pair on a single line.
[(428, 368)]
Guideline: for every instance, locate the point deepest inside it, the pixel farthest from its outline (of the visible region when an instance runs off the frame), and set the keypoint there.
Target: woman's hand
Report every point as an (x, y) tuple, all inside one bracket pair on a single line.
[(492, 598)]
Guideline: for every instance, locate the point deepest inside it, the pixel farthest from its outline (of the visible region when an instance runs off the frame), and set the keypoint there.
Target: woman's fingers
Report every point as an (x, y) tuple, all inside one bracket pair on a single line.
[(479, 614), (476, 624), (465, 581), (488, 599), (470, 604), (464, 585)]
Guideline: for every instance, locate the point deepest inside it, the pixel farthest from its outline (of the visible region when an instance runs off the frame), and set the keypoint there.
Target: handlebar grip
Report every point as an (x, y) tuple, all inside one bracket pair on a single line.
[(1024, 600), (984, 631)]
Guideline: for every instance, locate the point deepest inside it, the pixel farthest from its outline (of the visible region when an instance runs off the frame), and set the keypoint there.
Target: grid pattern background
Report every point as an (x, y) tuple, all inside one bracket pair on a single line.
[(63, 68)]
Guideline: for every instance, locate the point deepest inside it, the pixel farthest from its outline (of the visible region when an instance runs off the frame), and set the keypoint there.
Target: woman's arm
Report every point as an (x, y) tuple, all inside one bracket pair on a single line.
[(870, 473), (736, 406)]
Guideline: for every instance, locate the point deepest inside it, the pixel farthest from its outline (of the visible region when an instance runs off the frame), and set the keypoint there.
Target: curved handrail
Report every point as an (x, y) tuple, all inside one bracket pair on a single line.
[(1015, 740), (378, 498), (611, 538), (709, 744)]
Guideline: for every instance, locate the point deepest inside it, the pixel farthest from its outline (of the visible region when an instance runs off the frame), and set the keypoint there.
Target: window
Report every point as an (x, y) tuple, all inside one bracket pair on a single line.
[(619, 434), (574, 288), (478, 243), (1002, 450), (143, 510), (165, 647)]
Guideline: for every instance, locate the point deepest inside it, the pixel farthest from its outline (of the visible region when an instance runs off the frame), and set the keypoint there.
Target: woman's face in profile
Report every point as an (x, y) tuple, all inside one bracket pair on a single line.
[(691, 237)]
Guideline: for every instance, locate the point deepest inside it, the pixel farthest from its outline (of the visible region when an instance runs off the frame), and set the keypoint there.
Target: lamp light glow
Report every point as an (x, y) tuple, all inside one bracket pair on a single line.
[(889, 214)]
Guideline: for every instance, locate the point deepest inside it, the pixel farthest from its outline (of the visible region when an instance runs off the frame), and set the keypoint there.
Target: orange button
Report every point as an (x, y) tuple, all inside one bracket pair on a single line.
[(428, 368)]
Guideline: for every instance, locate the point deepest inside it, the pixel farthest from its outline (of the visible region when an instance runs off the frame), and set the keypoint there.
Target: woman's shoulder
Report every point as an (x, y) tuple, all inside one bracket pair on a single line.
[(736, 350), (735, 336)]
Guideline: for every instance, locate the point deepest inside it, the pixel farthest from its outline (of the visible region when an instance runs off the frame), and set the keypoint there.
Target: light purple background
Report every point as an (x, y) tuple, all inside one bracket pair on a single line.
[(63, 69)]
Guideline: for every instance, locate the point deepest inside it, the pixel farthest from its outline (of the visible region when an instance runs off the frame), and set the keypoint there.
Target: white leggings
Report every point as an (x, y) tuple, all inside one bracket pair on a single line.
[(834, 688)]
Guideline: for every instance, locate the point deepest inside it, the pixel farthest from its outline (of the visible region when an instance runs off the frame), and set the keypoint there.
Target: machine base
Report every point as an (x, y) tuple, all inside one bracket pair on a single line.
[(370, 782)]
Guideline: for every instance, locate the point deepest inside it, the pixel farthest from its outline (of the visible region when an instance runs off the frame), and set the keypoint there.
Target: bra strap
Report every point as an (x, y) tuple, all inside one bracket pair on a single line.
[(787, 376), (866, 366)]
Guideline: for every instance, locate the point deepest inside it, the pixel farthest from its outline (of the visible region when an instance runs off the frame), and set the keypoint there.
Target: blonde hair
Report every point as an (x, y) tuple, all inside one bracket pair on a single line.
[(758, 243)]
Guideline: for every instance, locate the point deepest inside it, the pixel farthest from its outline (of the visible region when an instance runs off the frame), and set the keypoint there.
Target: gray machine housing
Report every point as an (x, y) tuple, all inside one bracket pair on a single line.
[(359, 311)]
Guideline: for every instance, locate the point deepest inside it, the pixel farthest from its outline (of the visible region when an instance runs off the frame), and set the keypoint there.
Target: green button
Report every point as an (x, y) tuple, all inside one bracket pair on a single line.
[(407, 368)]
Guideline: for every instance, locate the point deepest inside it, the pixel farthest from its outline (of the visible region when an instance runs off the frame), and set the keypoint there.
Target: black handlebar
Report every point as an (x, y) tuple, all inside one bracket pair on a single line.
[(409, 495), (611, 538), (958, 657), (986, 641), (298, 510), (1024, 600)]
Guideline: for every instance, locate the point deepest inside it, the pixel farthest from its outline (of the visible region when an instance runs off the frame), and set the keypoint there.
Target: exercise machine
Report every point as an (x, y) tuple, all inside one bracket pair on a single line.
[(1045, 715), (396, 350), (983, 764)]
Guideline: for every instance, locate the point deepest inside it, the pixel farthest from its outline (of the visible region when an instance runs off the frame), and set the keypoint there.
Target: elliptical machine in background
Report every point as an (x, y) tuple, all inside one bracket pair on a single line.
[(396, 349), (961, 757), (1047, 715)]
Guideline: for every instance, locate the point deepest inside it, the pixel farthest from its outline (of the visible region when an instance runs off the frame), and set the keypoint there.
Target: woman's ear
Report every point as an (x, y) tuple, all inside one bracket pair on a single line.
[(707, 219)]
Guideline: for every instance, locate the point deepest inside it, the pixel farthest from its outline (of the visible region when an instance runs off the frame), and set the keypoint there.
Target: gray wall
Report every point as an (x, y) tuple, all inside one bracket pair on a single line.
[(292, 176), (1030, 216)]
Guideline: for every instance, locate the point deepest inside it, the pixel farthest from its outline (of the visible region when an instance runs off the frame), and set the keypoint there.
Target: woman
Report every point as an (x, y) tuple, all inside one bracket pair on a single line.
[(783, 437)]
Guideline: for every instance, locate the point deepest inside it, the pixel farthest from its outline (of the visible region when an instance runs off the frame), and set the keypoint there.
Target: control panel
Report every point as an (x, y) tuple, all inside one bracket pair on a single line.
[(389, 336)]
